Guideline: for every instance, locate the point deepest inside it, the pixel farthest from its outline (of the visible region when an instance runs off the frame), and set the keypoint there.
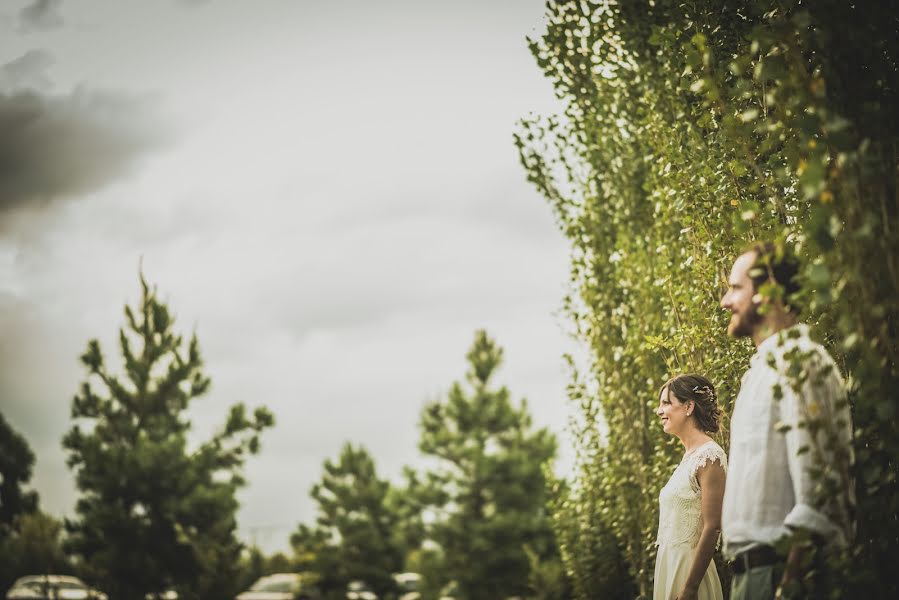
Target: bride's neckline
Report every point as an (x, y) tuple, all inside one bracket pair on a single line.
[(705, 443)]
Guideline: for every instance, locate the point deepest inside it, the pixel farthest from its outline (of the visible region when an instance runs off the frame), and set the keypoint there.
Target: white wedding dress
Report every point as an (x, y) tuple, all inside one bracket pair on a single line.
[(680, 524)]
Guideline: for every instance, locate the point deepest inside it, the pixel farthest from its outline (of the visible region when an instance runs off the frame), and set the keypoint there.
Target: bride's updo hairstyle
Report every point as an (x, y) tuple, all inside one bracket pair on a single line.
[(701, 392)]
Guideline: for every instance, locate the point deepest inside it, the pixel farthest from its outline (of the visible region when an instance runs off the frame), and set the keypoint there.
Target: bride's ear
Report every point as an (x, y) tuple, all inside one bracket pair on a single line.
[(690, 408)]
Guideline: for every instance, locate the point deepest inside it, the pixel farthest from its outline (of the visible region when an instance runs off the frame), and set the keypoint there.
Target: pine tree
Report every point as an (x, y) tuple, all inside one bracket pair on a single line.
[(18, 505), (355, 534), (16, 463), (153, 512), (488, 491)]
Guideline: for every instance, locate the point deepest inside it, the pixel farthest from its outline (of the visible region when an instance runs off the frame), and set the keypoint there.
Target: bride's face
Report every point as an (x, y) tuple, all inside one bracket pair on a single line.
[(673, 414)]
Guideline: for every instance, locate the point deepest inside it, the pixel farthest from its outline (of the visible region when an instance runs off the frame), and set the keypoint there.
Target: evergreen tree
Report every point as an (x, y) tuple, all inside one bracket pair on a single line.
[(315, 549), (35, 546), (16, 503), (404, 503), (153, 512), (32, 545), (355, 532), (16, 463), (488, 491)]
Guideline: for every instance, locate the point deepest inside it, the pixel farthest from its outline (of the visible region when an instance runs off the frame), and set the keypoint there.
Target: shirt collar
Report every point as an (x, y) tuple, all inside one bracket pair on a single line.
[(773, 341)]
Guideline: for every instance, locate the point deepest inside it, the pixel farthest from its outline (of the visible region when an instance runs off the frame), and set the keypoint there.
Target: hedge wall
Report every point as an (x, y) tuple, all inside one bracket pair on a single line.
[(691, 129)]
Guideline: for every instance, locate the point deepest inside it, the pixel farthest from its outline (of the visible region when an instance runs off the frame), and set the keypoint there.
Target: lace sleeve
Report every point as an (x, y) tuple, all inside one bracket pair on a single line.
[(709, 453)]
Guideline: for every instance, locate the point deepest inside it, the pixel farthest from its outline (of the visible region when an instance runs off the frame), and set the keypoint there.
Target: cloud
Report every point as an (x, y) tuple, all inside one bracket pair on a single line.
[(58, 146), (24, 392), (29, 71), (41, 15)]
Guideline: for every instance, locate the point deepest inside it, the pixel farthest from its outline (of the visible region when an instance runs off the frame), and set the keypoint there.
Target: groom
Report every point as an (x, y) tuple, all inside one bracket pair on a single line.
[(770, 492)]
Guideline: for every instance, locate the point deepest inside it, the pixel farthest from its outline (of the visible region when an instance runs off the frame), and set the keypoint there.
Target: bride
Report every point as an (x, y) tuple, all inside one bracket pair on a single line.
[(690, 503)]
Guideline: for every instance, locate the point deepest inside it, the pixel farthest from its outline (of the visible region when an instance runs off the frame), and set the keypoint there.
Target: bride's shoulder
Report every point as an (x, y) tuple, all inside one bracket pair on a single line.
[(709, 452)]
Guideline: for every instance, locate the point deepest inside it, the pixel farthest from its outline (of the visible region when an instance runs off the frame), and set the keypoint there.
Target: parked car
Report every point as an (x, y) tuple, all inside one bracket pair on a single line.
[(52, 587), (359, 590), (283, 586), (409, 585), (164, 595)]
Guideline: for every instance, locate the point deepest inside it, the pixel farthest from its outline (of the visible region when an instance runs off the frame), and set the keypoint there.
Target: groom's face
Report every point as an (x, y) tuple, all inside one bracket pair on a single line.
[(740, 298)]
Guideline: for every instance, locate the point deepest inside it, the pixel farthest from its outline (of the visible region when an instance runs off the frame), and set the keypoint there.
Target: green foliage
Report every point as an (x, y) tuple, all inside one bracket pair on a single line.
[(17, 505), (581, 520), (546, 579), (154, 513), (356, 532), (689, 130), (16, 463), (487, 490), (33, 544)]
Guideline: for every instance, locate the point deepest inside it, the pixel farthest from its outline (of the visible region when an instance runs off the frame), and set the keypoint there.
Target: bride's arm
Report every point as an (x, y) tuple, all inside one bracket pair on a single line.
[(711, 484)]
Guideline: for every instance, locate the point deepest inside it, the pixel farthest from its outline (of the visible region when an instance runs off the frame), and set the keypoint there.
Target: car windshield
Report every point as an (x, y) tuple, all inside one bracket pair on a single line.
[(274, 585), (69, 585), (42, 585)]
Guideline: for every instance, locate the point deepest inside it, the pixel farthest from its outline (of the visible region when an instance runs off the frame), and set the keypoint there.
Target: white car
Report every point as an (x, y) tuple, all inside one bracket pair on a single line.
[(165, 595), (409, 585), (281, 586), (359, 590), (52, 587)]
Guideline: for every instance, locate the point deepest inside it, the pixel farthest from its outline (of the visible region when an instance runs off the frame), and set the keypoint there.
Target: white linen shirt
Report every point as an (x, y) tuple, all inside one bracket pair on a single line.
[(769, 489)]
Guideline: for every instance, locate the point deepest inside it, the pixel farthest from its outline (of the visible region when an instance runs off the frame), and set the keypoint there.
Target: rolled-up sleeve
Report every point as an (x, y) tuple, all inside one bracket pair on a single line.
[(807, 458)]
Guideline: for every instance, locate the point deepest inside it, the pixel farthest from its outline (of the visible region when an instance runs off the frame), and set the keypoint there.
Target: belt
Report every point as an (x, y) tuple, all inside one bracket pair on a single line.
[(760, 556)]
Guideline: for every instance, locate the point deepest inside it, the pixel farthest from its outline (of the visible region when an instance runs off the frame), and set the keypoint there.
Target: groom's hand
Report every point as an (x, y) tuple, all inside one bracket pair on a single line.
[(791, 582)]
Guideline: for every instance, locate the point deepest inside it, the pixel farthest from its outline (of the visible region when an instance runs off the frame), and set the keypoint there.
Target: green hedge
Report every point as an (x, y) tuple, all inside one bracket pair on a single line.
[(691, 129)]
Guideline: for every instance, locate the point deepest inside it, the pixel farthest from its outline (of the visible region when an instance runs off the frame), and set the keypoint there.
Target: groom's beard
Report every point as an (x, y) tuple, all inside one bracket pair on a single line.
[(744, 324)]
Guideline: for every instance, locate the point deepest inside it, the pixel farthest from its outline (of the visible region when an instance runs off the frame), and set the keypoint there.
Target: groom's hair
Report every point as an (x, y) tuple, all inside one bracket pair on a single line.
[(776, 263)]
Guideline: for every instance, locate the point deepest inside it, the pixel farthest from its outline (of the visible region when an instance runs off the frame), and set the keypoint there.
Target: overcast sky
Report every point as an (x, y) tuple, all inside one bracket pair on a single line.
[(326, 192)]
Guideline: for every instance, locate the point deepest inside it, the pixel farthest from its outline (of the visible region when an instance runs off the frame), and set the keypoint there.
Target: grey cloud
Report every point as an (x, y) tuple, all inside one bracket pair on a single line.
[(41, 15), (57, 146), (29, 71), (26, 393)]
